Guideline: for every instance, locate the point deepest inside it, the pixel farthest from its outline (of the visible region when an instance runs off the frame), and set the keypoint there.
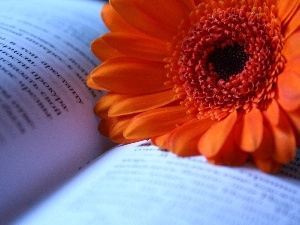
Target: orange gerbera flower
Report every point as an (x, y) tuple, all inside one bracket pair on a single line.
[(213, 77)]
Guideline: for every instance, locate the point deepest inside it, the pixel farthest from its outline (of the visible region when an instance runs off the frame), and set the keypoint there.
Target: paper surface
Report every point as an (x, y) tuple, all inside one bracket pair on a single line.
[(47, 126), (139, 184)]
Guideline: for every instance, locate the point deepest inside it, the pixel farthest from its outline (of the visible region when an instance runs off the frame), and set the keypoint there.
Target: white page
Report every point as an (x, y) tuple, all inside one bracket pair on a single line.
[(141, 185), (47, 126)]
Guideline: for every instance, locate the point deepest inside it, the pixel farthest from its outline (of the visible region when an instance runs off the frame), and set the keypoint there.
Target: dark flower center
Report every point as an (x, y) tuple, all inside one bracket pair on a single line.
[(228, 61)]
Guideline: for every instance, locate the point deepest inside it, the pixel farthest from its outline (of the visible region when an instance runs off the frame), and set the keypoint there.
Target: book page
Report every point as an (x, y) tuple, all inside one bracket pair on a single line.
[(47, 126), (139, 184)]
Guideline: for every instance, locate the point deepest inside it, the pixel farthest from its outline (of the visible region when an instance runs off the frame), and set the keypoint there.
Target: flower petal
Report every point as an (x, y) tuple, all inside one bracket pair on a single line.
[(143, 47), (183, 141), (263, 156), (292, 25), (268, 166), (248, 131), (266, 148), (90, 83), (114, 21), (286, 10), (136, 104), (161, 141), (291, 48), (103, 105), (284, 139), (214, 138), (272, 113), (130, 76), (156, 122), (288, 86), (103, 127), (294, 117), (168, 12), (137, 18), (114, 127), (229, 154), (104, 51)]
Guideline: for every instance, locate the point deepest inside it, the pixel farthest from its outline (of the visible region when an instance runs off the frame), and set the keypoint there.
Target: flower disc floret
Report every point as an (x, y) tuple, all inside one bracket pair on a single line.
[(226, 59)]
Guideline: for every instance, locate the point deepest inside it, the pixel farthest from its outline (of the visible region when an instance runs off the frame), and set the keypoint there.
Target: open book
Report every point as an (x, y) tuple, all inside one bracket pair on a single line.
[(48, 132), (138, 184), (47, 127)]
